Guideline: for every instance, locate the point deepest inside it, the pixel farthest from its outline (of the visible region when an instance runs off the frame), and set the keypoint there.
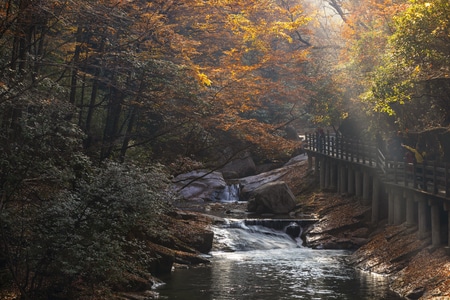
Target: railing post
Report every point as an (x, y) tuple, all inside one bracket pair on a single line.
[(306, 140), (405, 175), (313, 142), (333, 149), (395, 170), (359, 149), (362, 152), (346, 149), (350, 149), (415, 184), (424, 176), (328, 143)]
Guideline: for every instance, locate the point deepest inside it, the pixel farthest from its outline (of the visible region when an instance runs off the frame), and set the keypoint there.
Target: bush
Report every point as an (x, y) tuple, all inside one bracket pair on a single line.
[(81, 234)]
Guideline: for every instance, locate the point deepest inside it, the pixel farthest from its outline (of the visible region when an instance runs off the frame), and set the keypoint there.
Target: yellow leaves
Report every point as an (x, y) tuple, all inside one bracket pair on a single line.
[(241, 25), (203, 79)]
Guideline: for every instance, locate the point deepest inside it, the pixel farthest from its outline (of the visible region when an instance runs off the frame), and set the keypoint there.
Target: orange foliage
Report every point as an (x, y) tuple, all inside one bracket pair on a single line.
[(204, 62), (250, 57)]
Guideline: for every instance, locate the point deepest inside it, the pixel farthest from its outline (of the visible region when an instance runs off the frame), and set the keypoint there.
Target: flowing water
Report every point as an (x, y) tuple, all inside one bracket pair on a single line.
[(256, 262)]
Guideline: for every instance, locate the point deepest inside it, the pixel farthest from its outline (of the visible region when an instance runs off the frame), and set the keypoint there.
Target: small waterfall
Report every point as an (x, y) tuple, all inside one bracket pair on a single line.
[(293, 228), (230, 193), (254, 234)]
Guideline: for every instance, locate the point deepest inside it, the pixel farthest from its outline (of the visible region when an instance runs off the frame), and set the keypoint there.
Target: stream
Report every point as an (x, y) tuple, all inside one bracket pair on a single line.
[(256, 262)]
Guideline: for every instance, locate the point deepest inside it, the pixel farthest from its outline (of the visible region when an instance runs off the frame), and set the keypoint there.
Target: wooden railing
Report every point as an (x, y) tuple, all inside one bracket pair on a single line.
[(343, 148), (430, 176)]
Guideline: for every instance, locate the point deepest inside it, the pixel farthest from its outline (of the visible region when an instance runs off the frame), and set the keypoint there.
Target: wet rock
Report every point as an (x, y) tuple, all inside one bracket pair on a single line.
[(289, 173), (293, 230), (416, 293), (199, 185), (203, 185), (146, 295), (203, 241)]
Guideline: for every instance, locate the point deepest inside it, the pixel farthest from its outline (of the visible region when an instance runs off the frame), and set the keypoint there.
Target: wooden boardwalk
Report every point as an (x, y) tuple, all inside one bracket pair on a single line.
[(418, 194), (430, 176)]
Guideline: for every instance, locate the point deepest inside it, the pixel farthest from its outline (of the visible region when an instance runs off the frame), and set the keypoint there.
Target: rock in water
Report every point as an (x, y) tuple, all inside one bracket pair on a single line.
[(199, 185), (274, 197), (293, 230)]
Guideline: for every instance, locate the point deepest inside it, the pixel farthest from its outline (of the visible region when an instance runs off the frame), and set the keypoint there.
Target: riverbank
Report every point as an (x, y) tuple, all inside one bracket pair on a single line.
[(416, 270)]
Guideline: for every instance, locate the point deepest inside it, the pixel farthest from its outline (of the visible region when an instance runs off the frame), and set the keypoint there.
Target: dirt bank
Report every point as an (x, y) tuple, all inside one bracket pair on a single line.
[(416, 269)]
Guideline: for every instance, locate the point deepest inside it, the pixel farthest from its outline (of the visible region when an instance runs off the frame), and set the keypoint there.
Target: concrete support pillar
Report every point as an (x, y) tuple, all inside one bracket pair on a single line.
[(399, 207), (310, 163), (391, 206), (375, 200), (358, 183), (435, 225), (351, 180), (410, 209), (322, 172), (422, 216), (366, 187), (342, 179), (317, 169), (333, 176), (447, 211)]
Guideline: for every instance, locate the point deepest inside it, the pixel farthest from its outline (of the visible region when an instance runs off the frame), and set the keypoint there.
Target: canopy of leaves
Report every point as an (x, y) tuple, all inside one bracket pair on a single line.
[(83, 83), (415, 68)]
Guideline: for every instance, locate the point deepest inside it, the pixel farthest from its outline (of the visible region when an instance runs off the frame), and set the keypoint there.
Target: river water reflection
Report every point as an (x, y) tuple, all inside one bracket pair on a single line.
[(285, 271)]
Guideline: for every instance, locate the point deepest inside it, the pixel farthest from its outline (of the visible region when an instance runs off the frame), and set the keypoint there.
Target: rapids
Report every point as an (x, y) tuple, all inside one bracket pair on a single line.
[(256, 262)]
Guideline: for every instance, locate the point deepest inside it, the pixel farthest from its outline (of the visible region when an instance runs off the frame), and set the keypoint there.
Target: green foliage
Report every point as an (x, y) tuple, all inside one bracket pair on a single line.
[(62, 219), (422, 38), (88, 227), (83, 234), (42, 145), (417, 55), (387, 89)]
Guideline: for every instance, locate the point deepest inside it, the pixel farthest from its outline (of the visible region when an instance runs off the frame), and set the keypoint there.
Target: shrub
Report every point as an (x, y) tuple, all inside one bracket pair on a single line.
[(81, 234)]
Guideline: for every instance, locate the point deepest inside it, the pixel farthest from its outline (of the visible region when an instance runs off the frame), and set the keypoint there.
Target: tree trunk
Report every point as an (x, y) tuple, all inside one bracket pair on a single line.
[(111, 130), (127, 138), (75, 61)]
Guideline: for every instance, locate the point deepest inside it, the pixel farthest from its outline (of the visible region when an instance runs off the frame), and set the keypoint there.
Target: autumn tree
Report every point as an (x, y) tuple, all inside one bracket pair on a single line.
[(252, 56), (367, 26), (413, 83)]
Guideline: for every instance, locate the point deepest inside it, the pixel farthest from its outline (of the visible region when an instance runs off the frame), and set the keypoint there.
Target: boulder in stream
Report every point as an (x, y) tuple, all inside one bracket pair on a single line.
[(199, 185), (238, 168), (274, 197)]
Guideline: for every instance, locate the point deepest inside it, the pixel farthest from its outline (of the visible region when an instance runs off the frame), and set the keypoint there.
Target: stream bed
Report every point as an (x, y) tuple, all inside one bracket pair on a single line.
[(255, 262)]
